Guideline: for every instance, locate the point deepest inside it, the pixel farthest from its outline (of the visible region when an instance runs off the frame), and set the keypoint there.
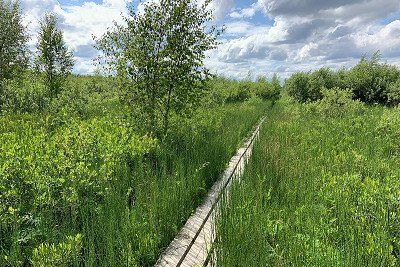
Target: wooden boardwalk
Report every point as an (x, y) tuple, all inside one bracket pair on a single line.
[(192, 244)]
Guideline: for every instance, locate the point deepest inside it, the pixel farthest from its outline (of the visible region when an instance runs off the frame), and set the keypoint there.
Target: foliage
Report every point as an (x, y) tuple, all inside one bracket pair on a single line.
[(318, 191), (217, 92), (304, 87), (74, 100), (158, 58), (336, 103), (13, 40), (47, 178), (297, 87), (370, 79), (269, 91), (223, 90), (239, 93), (53, 60), (322, 78), (61, 175), (370, 82), (393, 93), (63, 254), (24, 95), (13, 44)]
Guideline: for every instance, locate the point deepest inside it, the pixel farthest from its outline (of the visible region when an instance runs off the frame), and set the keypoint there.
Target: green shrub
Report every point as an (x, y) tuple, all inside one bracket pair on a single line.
[(268, 92), (393, 93), (72, 100), (297, 87), (337, 103), (305, 87), (217, 91), (276, 88), (370, 79), (25, 95), (48, 178), (322, 78), (240, 93), (222, 90), (262, 88), (64, 254)]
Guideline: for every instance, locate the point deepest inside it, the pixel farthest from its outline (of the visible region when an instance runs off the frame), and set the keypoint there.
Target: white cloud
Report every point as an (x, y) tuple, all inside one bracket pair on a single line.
[(244, 28), (79, 23), (245, 12), (221, 8), (306, 34)]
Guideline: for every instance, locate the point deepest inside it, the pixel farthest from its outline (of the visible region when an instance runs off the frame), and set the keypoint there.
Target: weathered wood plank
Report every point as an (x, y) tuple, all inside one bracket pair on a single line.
[(192, 244)]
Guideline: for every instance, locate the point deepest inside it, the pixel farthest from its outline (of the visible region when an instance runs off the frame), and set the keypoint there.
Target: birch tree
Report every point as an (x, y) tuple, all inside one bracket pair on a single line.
[(53, 60), (158, 58)]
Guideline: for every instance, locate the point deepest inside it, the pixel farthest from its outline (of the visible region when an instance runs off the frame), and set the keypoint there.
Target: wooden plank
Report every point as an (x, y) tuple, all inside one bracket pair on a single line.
[(191, 246)]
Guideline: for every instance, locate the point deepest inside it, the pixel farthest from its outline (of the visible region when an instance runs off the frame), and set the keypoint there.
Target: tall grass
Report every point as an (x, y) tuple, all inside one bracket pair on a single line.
[(94, 193), (321, 189)]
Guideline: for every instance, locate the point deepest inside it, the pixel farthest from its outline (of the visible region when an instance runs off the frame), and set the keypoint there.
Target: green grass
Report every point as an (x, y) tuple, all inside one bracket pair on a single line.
[(322, 189), (92, 192)]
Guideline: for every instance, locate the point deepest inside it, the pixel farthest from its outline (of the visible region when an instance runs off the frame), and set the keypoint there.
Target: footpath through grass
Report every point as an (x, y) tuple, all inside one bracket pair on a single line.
[(94, 193), (322, 189)]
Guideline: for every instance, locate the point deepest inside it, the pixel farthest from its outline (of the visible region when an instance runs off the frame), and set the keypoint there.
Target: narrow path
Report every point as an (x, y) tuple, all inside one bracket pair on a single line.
[(192, 244)]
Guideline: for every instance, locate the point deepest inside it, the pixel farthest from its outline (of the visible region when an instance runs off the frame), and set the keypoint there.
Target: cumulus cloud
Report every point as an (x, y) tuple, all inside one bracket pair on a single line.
[(245, 12), (303, 34), (300, 7), (221, 8), (83, 20), (308, 34), (79, 23)]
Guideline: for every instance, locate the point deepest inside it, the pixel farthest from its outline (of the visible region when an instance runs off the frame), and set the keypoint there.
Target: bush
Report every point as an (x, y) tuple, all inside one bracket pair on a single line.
[(48, 178), (337, 103), (393, 93), (25, 95), (305, 87), (264, 91), (240, 93), (297, 87), (74, 101), (217, 91), (268, 90), (369, 80), (322, 78), (63, 254)]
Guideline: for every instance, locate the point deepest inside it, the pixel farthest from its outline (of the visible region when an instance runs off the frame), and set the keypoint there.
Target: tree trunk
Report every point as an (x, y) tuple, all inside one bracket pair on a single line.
[(167, 110)]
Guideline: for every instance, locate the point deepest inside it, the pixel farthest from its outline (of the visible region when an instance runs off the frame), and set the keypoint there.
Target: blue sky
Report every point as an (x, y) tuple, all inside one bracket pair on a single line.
[(262, 36)]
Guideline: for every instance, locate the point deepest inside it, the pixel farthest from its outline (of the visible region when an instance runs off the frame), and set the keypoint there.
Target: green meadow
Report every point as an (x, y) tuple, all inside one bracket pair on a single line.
[(105, 154), (322, 189)]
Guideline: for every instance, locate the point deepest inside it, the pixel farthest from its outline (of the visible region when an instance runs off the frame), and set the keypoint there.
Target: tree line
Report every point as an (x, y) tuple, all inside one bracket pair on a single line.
[(370, 81)]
